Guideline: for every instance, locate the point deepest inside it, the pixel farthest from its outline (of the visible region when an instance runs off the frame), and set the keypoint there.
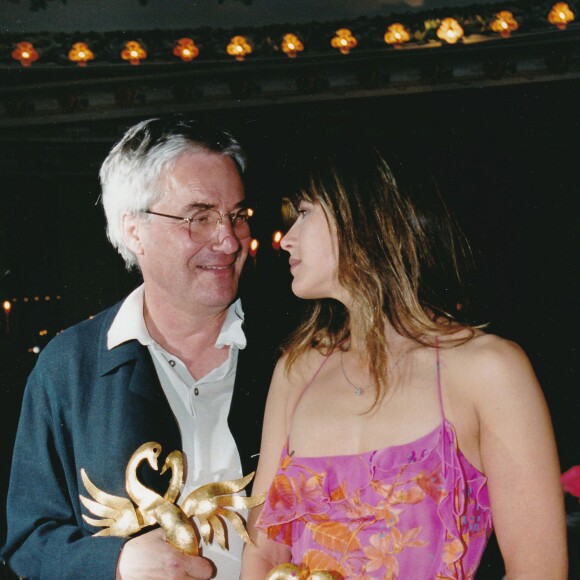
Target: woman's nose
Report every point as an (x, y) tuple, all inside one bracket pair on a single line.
[(287, 242)]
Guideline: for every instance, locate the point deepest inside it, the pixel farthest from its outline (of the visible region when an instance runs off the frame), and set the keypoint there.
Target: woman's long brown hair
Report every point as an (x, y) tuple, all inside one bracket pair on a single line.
[(400, 255)]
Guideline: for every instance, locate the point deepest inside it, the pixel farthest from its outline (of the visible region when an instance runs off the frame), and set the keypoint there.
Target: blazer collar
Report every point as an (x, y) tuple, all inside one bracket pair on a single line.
[(143, 378)]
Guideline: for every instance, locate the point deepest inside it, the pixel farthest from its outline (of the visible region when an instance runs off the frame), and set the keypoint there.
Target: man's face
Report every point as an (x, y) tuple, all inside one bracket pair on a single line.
[(195, 277)]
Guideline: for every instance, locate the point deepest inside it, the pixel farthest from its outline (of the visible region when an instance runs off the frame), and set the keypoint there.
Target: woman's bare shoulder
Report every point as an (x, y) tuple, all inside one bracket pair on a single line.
[(304, 365), (490, 353), (300, 371), (489, 364)]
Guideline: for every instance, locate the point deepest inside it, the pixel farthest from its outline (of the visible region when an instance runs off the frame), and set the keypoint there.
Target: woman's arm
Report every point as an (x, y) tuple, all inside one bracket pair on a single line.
[(519, 457), (260, 558)]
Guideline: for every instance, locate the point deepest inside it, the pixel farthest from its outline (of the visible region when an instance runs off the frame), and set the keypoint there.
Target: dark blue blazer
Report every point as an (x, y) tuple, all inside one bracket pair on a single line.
[(89, 407)]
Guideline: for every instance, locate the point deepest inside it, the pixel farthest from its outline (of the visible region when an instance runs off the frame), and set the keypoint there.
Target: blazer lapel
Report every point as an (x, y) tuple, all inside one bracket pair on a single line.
[(144, 380)]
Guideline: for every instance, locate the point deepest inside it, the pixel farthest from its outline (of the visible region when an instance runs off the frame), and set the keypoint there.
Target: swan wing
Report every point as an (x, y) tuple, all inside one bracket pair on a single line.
[(209, 503), (240, 502), (106, 499), (219, 531), (238, 523), (118, 514), (206, 498)]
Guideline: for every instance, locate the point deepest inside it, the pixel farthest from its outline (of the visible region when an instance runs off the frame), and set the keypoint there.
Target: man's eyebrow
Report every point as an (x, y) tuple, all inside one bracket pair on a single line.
[(193, 207), (199, 206)]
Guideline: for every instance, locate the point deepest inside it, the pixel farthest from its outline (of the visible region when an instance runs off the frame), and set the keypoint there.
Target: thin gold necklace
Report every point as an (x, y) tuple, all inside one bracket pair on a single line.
[(358, 391)]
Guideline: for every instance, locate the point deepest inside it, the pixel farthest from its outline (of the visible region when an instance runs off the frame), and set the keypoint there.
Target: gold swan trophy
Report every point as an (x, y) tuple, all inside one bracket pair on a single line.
[(208, 504), (294, 572)]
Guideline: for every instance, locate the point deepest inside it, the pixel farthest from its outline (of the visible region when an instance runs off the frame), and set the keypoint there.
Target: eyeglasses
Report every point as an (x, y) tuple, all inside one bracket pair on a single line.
[(204, 224)]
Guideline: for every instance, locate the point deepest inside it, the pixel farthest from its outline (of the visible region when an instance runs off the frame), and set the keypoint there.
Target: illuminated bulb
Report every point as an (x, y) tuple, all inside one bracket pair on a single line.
[(25, 54), (504, 23), (397, 35), (186, 51), (561, 15), (344, 41), (449, 30), (134, 54), (239, 47), (276, 238), (7, 306), (250, 212), (291, 45), (82, 54), (35, 349)]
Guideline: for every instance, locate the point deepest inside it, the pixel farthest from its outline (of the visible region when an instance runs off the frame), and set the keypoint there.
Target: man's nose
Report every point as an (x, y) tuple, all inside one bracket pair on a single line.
[(226, 239)]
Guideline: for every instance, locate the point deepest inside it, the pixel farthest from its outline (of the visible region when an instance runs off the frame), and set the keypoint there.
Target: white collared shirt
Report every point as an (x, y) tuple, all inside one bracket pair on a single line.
[(201, 408)]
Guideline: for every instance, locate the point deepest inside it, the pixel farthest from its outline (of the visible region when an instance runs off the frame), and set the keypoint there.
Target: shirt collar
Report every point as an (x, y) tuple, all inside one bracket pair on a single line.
[(129, 324)]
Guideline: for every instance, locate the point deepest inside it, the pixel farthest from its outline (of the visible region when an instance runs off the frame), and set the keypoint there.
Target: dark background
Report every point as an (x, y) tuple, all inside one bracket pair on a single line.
[(506, 157)]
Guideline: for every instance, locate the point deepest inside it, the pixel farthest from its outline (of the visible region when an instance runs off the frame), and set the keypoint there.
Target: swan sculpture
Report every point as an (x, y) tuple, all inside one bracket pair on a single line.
[(174, 462), (209, 503), (293, 572)]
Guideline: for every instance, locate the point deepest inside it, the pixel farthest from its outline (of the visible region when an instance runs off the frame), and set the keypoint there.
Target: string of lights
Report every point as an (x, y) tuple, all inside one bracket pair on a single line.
[(411, 30)]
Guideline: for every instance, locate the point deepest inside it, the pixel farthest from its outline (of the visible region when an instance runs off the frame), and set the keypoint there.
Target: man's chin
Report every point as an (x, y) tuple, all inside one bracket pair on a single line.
[(219, 297)]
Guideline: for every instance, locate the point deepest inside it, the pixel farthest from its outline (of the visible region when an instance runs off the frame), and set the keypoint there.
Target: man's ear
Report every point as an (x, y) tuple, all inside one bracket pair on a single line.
[(131, 225)]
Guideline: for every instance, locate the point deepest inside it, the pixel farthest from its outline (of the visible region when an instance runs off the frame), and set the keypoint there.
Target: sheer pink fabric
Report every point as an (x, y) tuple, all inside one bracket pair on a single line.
[(418, 511)]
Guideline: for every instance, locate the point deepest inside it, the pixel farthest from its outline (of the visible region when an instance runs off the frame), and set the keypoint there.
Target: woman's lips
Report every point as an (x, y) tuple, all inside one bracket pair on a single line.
[(293, 263)]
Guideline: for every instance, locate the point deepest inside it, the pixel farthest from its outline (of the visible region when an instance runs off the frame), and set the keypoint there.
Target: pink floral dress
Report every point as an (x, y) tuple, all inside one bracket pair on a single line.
[(418, 511)]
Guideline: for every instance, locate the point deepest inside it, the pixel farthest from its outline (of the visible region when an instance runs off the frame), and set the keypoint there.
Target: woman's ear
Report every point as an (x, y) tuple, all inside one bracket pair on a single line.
[(131, 225)]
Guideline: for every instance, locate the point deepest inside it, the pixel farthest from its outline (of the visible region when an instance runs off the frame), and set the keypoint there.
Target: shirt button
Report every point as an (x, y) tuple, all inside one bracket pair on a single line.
[(171, 362), (196, 391)]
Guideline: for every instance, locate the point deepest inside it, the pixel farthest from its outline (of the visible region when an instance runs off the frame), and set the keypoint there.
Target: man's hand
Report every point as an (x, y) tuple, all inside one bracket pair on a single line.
[(151, 557)]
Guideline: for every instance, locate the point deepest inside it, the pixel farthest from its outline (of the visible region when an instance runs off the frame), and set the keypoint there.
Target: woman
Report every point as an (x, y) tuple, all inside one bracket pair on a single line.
[(394, 429)]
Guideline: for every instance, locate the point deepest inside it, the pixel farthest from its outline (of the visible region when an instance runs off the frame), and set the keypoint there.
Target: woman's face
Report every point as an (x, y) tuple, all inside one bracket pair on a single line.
[(313, 247)]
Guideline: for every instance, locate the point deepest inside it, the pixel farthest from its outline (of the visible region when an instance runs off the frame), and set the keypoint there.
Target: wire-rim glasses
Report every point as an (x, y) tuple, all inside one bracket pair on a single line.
[(204, 223)]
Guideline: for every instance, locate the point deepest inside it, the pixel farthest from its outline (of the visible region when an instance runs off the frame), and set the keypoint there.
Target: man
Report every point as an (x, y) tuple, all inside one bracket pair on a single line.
[(168, 365)]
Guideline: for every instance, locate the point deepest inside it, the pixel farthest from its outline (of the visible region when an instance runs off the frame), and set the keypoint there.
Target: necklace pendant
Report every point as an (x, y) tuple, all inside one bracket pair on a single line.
[(358, 391)]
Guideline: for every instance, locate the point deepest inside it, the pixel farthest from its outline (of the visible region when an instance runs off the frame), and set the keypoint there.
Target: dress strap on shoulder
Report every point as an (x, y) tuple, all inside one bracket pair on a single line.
[(325, 358), (439, 393), (320, 367)]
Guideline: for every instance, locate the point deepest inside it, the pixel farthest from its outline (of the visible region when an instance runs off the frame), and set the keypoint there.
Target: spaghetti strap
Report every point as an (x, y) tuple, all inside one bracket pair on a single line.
[(331, 509), (439, 393), (290, 412), (316, 373)]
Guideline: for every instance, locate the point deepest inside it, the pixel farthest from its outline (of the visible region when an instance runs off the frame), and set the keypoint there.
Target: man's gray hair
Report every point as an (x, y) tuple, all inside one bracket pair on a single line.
[(132, 173)]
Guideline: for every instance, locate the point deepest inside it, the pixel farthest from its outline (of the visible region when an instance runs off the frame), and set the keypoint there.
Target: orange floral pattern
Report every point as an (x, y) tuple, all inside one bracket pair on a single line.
[(419, 510)]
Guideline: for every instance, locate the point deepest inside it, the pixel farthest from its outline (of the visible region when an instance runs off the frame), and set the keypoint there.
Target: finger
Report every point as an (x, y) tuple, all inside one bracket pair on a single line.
[(199, 568)]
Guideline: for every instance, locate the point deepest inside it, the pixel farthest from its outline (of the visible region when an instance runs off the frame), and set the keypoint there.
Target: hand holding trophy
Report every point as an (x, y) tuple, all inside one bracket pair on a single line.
[(208, 503)]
